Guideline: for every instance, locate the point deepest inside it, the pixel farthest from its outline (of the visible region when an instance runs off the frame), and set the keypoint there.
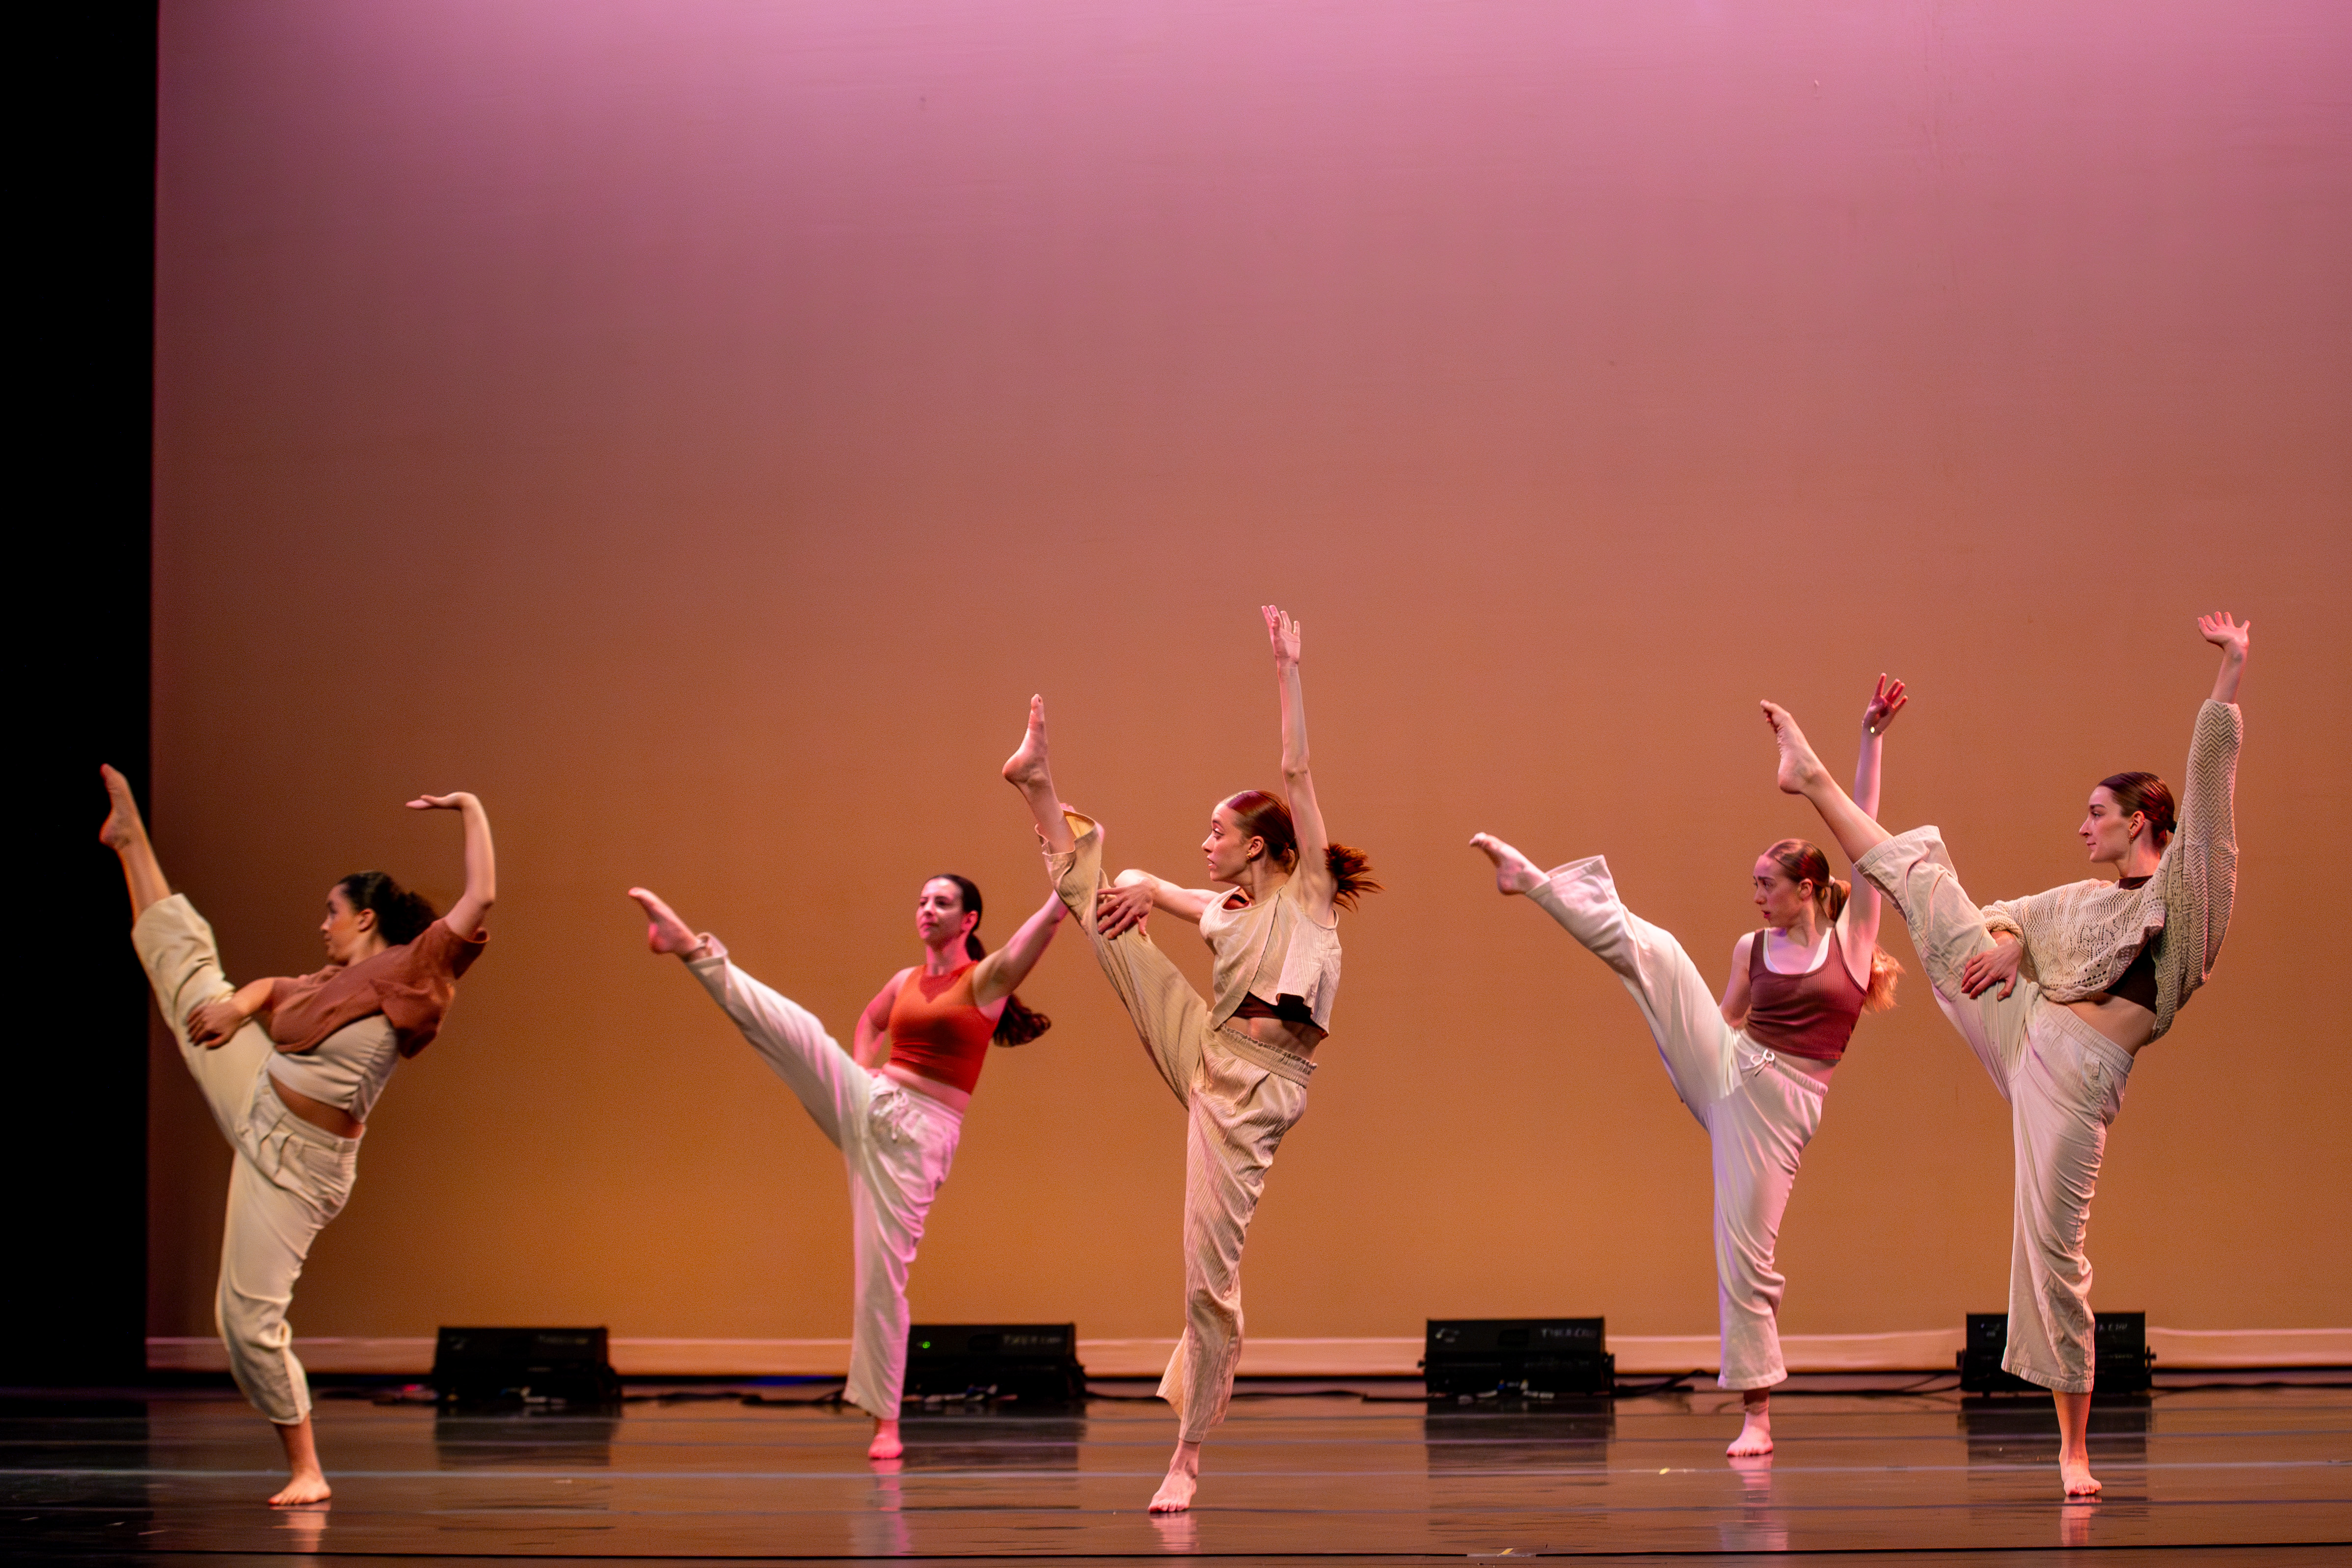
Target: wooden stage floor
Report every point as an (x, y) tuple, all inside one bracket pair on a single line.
[(2251, 1473)]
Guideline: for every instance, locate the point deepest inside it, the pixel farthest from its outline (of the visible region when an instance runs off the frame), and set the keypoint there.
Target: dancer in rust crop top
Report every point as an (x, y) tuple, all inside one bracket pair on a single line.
[(290, 1070), (1239, 1062), (894, 1103), (1755, 1068)]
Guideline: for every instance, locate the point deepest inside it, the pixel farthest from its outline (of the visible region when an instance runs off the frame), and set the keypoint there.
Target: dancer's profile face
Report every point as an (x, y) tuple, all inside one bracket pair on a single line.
[(1781, 901), (1227, 848), (939, 914), (2106, 830), (345, 927)]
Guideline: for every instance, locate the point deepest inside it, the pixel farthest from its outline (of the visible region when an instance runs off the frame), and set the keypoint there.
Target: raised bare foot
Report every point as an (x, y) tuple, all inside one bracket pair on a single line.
[(307, 1487), (2075, 1469), (1755, 1437), (123, 827), (1800, 768), (1175, 1493), (1027, 768), (886, 1443), (666, 932), (1514, 872)]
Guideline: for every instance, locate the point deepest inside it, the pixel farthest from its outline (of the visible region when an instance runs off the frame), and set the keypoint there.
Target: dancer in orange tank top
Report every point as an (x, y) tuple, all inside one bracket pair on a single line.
[(1753, 1068), (894, 1103)]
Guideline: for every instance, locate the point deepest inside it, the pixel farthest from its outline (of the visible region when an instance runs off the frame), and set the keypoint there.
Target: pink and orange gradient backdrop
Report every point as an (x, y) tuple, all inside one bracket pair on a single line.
[(698, 428)]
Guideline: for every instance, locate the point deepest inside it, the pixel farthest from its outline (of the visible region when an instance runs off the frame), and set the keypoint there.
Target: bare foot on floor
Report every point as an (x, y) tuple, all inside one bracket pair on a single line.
[(1800, 768), (1514, 872), (2075, 1469), (1755, 1437), (1175, 1493), (1027, 768), (886, 1443), (666, 932), (307, 1487), (123, 828)]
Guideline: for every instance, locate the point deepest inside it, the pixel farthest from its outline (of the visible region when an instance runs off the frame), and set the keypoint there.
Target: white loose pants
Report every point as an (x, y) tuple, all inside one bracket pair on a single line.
[(1240, 1097), (2064, 1081), (290, 1179), (1758, 1111), (896, 1145)]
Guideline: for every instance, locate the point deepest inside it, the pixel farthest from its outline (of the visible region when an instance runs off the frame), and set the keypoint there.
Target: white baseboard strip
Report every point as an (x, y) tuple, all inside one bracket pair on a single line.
[(1922, 1350)]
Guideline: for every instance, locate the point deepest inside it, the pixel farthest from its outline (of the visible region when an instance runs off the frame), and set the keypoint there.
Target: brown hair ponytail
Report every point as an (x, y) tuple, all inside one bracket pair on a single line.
[(400, 915), (1019, 1023), (1804, 862)]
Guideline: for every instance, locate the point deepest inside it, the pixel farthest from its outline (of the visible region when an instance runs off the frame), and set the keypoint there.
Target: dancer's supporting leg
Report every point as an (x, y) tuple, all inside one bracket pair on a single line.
[(1759, 1114), (289, 1179), (897, 1146), (2058, 1130), (1239, 1099)]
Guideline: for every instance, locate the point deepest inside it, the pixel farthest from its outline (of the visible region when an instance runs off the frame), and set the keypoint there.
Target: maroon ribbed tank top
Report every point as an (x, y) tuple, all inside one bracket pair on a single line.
[(1810, 1015)]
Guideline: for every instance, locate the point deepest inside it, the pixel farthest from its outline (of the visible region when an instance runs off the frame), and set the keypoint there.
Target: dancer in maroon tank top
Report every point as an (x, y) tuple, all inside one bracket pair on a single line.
[(1753, 1068)]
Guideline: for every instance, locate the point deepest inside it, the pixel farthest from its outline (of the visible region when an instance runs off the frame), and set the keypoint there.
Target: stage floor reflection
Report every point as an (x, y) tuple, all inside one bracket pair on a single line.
[(1331, 1475)]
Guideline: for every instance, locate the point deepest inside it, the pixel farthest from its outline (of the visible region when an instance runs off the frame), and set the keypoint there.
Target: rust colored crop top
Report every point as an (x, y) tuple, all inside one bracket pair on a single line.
[(936, 1029), (1810, 1015), (411, 986)]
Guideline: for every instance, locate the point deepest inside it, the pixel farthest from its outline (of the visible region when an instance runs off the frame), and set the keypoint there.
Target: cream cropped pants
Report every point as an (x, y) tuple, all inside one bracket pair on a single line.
[(1239, 1096), (1758, 1111), (895, 1143), (2064, 1081), (290, 1179)]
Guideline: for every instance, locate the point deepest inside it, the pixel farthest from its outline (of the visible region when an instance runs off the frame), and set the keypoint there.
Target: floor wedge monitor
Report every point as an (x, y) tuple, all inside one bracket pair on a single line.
[(484, 1366), (2123, 1363), (1036, 1363), (1518, 1356)]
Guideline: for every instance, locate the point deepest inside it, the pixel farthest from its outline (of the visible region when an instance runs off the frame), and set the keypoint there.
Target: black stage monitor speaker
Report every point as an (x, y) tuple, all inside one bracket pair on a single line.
[(484, 1366), (2119, 1340), (1036, 1363), (1517, 1355)]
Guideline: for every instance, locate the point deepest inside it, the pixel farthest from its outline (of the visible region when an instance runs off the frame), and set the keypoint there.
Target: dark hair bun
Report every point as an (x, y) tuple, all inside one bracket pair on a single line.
[(400, 915)]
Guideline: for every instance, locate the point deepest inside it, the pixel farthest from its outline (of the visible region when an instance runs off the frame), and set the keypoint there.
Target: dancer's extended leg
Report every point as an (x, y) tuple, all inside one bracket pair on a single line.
[(125, 832), (1030, 770), (1800, 772)]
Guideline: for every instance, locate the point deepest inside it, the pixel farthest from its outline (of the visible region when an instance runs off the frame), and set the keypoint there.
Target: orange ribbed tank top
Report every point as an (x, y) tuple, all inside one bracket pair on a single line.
[(937, 1031)]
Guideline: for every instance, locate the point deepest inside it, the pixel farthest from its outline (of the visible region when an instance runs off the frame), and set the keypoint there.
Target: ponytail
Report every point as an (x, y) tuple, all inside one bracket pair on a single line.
[(400, 915), (1352, 873)]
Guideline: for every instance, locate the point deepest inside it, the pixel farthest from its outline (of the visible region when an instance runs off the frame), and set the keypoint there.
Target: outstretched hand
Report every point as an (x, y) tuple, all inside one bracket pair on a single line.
[(1121, 910), (664, 932), (1283, 631), (1885, 703), (2228, 634), (456, 802), (1996, 965)]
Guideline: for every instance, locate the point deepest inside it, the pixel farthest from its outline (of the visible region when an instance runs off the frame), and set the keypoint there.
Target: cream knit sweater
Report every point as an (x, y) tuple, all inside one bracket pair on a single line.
[(2080, 938)]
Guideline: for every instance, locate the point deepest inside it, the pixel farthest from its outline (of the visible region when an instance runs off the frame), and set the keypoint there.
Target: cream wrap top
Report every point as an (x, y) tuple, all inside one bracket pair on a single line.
[(1272, 949), (2083, 936)]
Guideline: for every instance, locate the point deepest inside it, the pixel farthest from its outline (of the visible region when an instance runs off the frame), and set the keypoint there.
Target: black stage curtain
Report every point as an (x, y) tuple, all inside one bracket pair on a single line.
[(75, 1158)]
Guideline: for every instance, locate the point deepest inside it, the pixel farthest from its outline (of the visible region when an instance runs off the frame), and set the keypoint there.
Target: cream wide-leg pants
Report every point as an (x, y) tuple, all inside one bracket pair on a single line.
[(1758, 1111), (1240, 1097), (290, 1179), (895, 1143), (2064, 1081)]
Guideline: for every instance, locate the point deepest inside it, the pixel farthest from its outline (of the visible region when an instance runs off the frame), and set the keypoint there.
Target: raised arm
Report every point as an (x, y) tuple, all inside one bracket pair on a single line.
[(2199, 869), (473, 906), (1863, 905), (1314, 869), (2230, 637), (1000, 973)]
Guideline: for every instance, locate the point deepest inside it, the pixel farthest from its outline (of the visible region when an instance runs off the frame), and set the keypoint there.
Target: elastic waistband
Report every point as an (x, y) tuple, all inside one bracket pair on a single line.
[(2068, 1023), (1764, 1056), (298, 1125), (1287, 1065), (921, 1101)]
